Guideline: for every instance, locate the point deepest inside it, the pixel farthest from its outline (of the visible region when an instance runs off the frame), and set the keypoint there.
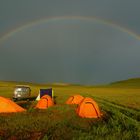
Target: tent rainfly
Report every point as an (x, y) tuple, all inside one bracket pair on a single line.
[(8, 106)]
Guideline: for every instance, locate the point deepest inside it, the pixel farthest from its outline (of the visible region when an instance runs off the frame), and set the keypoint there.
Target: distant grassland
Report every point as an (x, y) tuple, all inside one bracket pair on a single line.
[(120, 103), (117, 92)]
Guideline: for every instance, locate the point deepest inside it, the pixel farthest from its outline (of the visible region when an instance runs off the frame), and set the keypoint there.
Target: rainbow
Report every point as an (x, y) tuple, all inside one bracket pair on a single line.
[(54, 19)]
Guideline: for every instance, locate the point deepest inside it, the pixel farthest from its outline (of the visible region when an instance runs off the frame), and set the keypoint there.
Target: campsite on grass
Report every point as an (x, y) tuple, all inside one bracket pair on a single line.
[(69, 70), (71, 111)]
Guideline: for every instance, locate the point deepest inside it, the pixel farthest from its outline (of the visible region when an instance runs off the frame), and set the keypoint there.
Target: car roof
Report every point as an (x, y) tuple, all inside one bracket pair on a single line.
[(22, 86)]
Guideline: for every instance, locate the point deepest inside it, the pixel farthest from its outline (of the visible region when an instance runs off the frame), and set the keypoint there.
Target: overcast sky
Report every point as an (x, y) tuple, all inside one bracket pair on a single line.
[(69, 50)]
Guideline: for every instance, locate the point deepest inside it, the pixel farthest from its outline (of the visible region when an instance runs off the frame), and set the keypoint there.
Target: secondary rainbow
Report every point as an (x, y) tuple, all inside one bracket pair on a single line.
[(54, 19)]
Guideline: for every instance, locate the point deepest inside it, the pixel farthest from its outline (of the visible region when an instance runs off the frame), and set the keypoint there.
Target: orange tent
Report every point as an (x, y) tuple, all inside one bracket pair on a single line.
[(76, 99), (45, 102), (88, 108), (8, 106)]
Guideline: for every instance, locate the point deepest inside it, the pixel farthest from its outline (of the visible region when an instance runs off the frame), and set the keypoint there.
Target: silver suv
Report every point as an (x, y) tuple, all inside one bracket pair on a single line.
[(21, 92)]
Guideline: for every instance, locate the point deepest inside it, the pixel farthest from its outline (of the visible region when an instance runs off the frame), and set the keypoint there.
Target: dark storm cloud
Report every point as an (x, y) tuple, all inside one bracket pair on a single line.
[(124, 12), (68, 51)]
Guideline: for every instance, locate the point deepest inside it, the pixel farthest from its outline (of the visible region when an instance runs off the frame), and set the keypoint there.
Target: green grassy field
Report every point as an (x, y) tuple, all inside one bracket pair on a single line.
[(119, 102)]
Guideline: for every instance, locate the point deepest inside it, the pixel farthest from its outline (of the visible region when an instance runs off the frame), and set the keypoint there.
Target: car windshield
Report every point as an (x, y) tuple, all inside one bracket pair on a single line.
[(22, 89)]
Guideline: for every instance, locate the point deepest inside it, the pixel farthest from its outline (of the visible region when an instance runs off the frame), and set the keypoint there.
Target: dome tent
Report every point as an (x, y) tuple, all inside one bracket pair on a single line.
[(75, 99), (8, 106), (88, 108), (45, 102)]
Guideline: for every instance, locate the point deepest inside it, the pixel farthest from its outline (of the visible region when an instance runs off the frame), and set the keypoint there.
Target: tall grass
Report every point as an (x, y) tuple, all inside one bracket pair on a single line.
[(120, 120)]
